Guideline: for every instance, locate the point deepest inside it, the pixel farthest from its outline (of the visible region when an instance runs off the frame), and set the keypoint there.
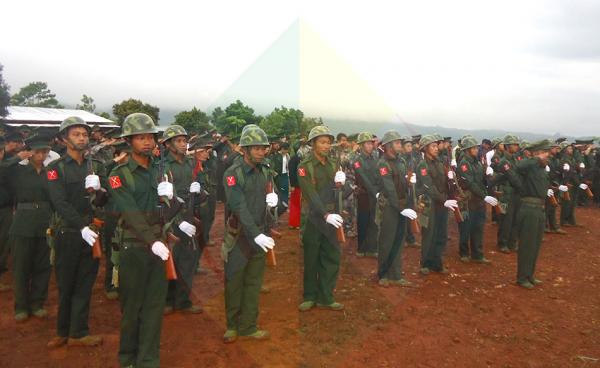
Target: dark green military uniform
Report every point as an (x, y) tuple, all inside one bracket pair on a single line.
[(367, 183), (531, 217), (245, 190), (76, 270), (30, 252), (142, 282), (109, 239), (320, 245), (6, 215), (392, 227), (554, 175), (472, 174), (571, 179)]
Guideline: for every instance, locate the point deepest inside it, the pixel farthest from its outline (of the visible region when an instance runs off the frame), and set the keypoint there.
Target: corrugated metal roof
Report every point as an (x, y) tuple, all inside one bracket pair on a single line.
[(44, 114)]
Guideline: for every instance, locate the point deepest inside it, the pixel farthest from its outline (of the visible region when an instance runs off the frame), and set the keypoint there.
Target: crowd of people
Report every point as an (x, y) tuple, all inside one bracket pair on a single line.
[(144, 203)]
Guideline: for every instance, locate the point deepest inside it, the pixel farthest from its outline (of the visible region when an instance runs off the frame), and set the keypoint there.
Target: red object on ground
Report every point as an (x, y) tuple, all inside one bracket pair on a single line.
[(295, 206)]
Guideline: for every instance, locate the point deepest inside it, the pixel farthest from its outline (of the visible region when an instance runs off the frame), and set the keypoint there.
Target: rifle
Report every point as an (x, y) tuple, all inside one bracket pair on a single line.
[(170, 271), (271, 259), (190, 216), (341, 236), (412, 193), (96, 224), (456, 192)]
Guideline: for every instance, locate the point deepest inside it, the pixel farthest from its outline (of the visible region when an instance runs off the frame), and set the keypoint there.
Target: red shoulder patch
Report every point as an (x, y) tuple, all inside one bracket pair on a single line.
[(464, 168), (230, 181), (301, 171), (115, 182), (383, 171), (357, 165), (52, 175), (423, 172), (519, 158)]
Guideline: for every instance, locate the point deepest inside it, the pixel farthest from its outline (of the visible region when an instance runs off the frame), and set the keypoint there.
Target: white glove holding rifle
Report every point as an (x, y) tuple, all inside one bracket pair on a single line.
[(264, 242), (335, 220), (161, 250), (491, 201), (89, 236), (92, 182)]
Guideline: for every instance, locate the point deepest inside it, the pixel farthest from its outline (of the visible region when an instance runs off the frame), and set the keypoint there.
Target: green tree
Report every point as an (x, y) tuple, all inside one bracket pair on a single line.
[(234, 118), (35, 94), (87, 104), (194, 121), (126, 107), (4, 94), (282, 121), (105, 115)]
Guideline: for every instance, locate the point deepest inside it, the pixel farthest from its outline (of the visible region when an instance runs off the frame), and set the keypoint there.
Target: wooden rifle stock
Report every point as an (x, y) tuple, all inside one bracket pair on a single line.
[(553, 201), (340, 234), (271, 259), (170, 271), (97, 247)]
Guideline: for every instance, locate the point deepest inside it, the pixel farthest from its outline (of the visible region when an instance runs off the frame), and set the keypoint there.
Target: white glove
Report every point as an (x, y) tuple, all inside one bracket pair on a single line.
[(165, 189), (450, 174), (413, 179), (92, 181), (451, 204), (563, 188), (272, 199), (340, 177), (489, 171), (407, 212), (195, 187), (89, 236), (160, 250), (583, 186), (187, 228), (335, 220), (453, 163), (566, 167), (377, 195), (547, 168), (582, 165), (491, 201), (264, 242), (550, 193)]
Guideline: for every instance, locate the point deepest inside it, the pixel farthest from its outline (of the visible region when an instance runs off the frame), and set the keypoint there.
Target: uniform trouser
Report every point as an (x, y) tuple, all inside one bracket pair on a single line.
[(142, 293), (434, 239), (295, 205), (410, 236), (507, 229), (110, 226), (391, 239), (321, 265), (567, 208), (283, 184), (551, 216), (242, 292), (186, 260), (6, 215), (365, 225), (207, 225), (471, 234), (531, 220), (31, 263), (76, 272)]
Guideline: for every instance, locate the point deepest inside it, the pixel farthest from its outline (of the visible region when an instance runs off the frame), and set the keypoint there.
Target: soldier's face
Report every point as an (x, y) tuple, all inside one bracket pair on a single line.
[(569, 150), (473, 151), (343, 142), (368, 147), (258, 153), (432, 150), (78, 138), (554, 151), (408, 147), (14, 146), (322, 146), (542, 155), (201, 154), (178, 145), (513, 148), (397, 146), (143, 144), (39, 156)]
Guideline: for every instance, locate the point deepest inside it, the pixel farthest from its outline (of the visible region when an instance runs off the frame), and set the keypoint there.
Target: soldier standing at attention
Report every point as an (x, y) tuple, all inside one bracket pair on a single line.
[(570, 177), (136, 190), (473, 182), (318, 176), (31, 254), (410, 159), (554, 174), (531, 218), (180, 169), (69, 181), (365, 169), (247, 235), (394, 210), (432, 182)]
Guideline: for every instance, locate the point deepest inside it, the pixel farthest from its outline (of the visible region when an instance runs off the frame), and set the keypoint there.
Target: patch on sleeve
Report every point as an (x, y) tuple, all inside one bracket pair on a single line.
[(230, 181), (383, 171), (115, 182), (52, 175), (519, 158), (464, 168), (423, 172), (506, 167), (301, 171), (357, 165)]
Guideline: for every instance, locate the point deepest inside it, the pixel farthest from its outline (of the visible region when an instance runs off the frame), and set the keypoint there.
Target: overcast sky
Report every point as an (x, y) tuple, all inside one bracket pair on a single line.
[(521, 65)]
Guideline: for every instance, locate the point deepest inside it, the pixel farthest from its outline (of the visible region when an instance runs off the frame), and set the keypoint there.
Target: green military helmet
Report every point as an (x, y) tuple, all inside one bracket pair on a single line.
[(436, 136), (174, 131), (249, 126), (468, 142), (511, 139), (71, 122), (524, 144), (253, 136), (318, 131), (427, 139), (390, 136), (564, 145), (364, 137), (138, 123), (406, 139), (496, 142)]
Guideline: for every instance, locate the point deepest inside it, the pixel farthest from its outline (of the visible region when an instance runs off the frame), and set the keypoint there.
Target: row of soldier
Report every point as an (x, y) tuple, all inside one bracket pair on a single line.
[(153, 206)]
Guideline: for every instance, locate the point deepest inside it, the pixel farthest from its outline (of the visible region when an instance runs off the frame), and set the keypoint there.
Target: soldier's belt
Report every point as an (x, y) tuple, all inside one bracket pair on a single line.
[(533, 201), (33, 205)]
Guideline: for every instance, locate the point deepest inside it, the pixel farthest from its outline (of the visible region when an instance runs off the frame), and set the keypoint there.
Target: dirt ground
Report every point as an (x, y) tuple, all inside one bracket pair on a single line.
[(474, 317)]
